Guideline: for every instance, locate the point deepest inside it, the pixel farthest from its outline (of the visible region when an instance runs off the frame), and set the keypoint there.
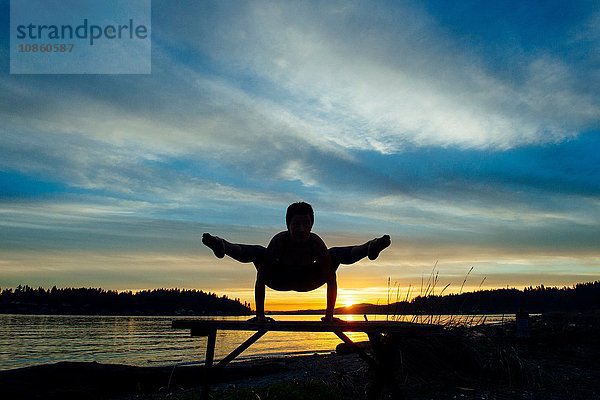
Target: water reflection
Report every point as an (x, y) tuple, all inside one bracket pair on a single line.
[(38, 339)]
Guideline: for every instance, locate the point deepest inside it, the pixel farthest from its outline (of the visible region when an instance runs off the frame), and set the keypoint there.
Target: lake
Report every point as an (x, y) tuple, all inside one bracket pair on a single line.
[(27, 340)]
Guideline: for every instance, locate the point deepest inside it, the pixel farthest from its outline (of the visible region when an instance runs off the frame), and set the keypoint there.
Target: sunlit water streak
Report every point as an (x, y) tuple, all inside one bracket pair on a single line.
[(27, 340)]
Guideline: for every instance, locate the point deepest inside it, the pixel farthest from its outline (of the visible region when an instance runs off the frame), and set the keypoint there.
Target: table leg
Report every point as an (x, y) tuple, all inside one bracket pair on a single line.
[(249, 342), (384, 378), (356, 349), (210, 348), (208, 363)]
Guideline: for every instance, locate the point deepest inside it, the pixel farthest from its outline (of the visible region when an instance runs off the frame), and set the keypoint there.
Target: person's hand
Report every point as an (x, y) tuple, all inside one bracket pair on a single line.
[(261, 319)]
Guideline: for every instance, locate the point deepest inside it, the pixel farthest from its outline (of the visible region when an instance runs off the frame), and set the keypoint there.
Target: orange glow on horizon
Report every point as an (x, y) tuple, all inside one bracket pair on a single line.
[(378, 295), (397, 276)]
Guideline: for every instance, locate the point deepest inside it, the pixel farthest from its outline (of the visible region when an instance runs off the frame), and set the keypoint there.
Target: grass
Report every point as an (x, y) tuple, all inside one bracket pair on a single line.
[(558, 362), (312, 389), (294, 390), (433, 316)]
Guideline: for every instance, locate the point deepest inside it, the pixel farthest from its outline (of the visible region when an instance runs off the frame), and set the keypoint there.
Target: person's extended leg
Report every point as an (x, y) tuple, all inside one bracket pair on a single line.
[(348, 255), (352, 254), (245, 253)]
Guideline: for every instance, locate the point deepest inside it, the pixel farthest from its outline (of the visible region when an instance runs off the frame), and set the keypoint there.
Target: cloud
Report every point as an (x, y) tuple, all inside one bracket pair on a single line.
[(381, 79), (283, 91), (388, 118), (91, 133), (124, 271)]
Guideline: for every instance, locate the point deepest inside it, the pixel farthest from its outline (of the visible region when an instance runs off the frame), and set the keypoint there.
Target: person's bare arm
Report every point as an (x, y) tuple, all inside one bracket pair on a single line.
[(259, 297), (324, 260), (273, 252)]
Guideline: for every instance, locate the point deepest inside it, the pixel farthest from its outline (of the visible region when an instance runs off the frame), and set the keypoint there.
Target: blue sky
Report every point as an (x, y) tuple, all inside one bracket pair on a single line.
[(468, 131)]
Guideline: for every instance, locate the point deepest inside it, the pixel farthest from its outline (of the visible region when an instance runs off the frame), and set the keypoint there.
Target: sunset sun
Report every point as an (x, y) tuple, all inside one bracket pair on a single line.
[(348, 302)]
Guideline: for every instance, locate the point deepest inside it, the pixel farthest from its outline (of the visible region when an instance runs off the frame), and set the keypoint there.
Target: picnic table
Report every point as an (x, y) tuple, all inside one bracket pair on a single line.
[(373, 329)]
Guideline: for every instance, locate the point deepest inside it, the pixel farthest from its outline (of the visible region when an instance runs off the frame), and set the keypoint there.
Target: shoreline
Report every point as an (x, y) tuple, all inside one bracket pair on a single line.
[(557, 361), (89, 379)]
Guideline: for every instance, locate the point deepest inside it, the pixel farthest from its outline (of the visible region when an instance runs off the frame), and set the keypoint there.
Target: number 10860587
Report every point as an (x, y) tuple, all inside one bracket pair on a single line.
[(46, 48)]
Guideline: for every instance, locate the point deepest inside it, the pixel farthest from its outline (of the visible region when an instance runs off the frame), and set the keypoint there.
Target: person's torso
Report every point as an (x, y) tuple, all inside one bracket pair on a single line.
[(297, 255)]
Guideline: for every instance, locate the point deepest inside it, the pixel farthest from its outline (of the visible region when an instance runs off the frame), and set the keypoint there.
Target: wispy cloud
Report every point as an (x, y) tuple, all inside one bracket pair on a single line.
[(383, 78)]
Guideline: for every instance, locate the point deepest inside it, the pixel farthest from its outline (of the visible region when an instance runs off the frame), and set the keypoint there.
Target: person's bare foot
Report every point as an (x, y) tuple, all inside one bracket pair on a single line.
[(376, 246), (215, 243), (330, 319)]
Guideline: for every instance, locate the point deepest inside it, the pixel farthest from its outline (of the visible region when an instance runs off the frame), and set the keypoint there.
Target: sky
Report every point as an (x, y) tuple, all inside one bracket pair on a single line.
[(468, 131)]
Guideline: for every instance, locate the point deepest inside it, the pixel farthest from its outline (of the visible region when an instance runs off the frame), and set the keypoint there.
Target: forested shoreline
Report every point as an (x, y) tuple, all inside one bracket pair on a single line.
[(539, 299), (96, 301)]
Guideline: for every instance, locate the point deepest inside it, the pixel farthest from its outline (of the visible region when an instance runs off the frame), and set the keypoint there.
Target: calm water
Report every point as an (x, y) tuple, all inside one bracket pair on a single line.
[(147, 341)]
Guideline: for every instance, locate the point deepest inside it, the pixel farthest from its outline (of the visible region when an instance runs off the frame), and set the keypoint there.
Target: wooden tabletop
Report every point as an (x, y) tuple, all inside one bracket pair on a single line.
[(200, 326)]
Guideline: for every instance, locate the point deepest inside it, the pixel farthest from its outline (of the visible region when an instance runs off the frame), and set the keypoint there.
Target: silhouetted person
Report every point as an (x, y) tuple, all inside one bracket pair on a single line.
[(296, 259)]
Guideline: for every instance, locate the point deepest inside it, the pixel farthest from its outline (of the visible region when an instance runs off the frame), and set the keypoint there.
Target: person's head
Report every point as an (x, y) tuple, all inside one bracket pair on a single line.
[(299, 219)]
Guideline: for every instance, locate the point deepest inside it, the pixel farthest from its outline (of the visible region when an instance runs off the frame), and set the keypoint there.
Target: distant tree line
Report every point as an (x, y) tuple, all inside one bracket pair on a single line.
[(92, 301), (539, 299)]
